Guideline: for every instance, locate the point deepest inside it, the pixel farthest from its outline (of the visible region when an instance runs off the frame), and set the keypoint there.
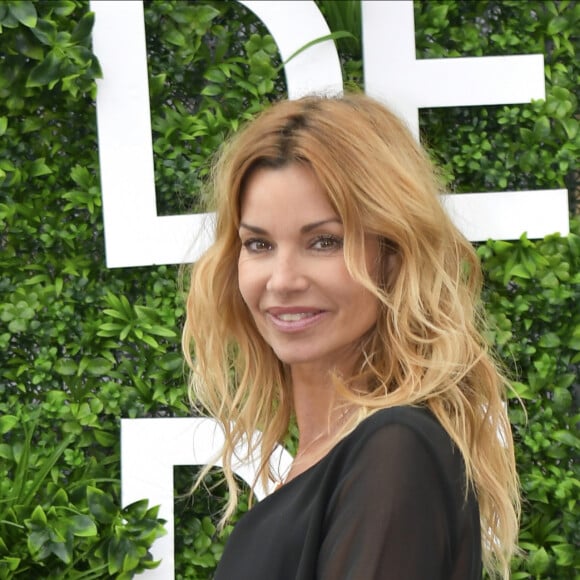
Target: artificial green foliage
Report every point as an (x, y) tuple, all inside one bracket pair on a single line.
[(82, 346), (533, 300), (346, 16), (513, 147), (199, 542), (67, 376), (212, 66)]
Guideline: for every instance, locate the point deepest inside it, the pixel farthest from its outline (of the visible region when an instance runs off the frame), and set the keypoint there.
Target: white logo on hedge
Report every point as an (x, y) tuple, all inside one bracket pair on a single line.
[(136, 236)]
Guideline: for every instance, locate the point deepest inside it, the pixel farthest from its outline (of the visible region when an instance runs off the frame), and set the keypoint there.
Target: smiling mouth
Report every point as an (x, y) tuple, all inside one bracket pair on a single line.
[(296, 321)]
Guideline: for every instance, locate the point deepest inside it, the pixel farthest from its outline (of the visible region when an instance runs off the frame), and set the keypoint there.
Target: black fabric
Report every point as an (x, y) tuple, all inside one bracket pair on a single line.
[(386, 503)]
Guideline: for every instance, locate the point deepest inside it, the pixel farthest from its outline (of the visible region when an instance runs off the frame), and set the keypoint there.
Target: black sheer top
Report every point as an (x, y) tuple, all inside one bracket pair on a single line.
[(388, 502)]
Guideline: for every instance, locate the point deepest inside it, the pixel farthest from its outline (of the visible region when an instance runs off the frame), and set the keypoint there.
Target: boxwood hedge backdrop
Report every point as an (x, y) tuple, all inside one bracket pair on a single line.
[(82, 346)]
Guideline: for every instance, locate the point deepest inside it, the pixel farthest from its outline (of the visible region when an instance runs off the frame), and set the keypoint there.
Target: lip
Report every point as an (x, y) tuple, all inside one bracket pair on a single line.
[(314, 316)]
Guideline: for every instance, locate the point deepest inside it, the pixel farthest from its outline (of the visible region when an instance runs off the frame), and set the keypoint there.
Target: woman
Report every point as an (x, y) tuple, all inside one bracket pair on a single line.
[(339, 293)]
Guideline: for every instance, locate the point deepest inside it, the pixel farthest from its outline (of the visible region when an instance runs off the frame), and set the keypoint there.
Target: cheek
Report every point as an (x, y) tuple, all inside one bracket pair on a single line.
[(365, 305), (247, 283)]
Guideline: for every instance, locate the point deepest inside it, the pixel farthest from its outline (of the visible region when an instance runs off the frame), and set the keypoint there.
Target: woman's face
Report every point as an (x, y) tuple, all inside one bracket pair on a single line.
[(292, 273)]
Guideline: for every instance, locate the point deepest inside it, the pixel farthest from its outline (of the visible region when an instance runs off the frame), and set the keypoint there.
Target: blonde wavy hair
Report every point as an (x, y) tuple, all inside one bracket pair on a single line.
[(426, 348)]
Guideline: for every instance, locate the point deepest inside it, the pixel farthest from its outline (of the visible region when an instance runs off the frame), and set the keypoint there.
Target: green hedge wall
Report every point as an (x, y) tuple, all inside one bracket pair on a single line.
[(82, 346)]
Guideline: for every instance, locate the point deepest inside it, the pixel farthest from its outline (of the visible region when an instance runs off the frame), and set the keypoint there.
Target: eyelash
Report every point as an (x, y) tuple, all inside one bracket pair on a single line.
[(334, 241), (330, 242), (250, 244)]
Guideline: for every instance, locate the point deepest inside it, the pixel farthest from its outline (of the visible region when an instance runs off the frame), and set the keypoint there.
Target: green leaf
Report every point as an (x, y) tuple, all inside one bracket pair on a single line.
[(80, 175), (37, 541), (117, 549), (148, 339), (6, 452), (333, 36), (99, 366), (82, 30), (7, 423), (27, 45), (101, 505), (46, 32), (60, 498), (571, 127), (10, 563), (521, 390), (212, 90), (539, 562), (44, 468), (542, 128), (65, 367), (3, 125), (162, 331), (137, 509), (562, 399), (215, 75), (17, 325), (62, 550), (81, 56), (25, 12), (519, 270), (208, 526), (104, 438), (567, 437), (82, 526), (7, 165), (564, 554), (557, 25), (45, 72), (38, 516), (549, 340), (176, 38), (39, 168), (202, 542)]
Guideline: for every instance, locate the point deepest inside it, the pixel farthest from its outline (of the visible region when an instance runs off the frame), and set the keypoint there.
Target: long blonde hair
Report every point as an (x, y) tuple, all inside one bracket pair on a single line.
[(426, 348)]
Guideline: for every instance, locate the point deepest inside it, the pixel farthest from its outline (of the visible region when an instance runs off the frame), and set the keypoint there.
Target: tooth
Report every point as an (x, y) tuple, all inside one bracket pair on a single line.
[(293, 317)]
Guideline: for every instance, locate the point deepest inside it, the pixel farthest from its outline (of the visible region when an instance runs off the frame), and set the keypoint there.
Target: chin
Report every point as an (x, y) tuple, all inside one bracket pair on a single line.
[(293, 358)]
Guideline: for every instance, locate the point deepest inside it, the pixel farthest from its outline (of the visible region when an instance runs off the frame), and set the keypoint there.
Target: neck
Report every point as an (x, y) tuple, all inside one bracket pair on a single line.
[(319, 428), (314, 401), (320, 416)]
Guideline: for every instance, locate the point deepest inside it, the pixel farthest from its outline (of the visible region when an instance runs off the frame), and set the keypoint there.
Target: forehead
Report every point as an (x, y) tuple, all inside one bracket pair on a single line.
[(285, 194)]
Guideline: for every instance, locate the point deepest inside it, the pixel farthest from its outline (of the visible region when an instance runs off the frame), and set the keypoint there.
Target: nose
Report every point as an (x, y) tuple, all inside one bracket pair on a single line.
[(288, 274)]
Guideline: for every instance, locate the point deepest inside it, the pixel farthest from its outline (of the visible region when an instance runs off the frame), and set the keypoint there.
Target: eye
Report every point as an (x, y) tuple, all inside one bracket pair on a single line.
[(256, 245), (327, 242)]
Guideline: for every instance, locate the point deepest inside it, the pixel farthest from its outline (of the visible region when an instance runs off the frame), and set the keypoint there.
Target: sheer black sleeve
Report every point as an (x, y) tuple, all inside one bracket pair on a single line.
[(394, 514)]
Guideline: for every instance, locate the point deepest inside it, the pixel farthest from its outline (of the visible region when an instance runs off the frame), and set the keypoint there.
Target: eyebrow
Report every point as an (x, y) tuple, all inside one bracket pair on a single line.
[(304, 229)]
